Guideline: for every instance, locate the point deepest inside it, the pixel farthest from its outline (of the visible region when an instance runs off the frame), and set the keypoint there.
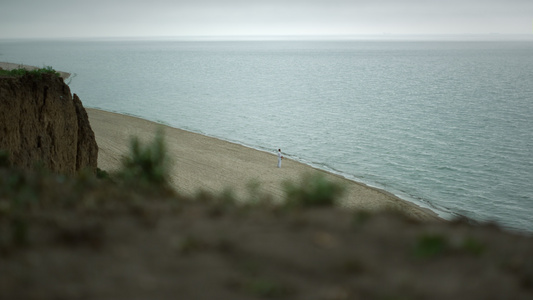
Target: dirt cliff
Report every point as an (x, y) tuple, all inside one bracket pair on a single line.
[(41, 122)]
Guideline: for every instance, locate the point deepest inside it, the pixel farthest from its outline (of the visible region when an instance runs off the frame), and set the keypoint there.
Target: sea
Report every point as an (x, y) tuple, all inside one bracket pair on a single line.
[(445, 124)]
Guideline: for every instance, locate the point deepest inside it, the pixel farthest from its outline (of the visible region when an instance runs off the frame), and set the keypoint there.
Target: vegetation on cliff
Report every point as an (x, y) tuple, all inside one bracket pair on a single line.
[(24, 71)]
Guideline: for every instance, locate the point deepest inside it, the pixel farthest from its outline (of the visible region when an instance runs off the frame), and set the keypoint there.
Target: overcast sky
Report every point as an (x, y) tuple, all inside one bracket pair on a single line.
[(129, 18)]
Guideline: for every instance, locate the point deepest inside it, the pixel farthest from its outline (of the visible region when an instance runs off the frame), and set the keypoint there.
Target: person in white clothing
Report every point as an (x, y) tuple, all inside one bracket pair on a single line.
[(280, 157)]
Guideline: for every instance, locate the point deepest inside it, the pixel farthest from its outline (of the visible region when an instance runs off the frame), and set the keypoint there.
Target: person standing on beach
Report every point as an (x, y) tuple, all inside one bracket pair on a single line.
[(280, 157)]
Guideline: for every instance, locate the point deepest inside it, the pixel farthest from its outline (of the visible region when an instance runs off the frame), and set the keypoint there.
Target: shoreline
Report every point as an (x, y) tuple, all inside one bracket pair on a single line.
[(207, 163)]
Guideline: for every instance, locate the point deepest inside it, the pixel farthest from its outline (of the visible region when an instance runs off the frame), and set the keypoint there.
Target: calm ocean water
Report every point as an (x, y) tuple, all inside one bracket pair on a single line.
[(447, 125)]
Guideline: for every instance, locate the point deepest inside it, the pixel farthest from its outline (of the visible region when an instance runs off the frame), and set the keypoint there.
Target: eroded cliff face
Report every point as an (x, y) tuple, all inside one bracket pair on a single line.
[(42, 123)]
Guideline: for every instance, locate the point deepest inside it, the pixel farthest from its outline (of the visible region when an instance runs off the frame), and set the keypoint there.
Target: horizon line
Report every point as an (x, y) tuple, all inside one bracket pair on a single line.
[(310, 37)]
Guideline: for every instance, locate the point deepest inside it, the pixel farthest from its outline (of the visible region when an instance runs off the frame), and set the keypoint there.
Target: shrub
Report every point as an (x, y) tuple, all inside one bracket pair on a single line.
[(473, 246), (431, 245), (314, 190), (21, 71), (101, 174), (148, 163)]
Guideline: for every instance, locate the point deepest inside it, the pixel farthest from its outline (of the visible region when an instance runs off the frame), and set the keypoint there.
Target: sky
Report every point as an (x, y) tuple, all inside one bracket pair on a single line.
[(260, 18)]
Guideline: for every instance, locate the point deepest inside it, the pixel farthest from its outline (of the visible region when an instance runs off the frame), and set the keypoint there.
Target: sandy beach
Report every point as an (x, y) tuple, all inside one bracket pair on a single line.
[(204, 163)]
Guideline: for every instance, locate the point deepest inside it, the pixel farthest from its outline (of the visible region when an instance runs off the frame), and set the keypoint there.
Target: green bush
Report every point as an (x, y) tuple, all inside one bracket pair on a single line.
[(21, 71), (473, 246), (267, 288), (314, 190), (431, 245), (101, 174), (148, 163)]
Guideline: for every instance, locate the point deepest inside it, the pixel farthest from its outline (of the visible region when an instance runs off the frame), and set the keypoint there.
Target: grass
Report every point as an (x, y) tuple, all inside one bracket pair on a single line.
[(147, 163), (473, 246), (313, 191), (266, 288), (431, 245), (434, 245), (190, 245), (101, 174), (21, 71)]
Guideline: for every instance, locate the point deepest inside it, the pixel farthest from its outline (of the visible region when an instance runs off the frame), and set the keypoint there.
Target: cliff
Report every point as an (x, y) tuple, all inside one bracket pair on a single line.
[(41, 122)]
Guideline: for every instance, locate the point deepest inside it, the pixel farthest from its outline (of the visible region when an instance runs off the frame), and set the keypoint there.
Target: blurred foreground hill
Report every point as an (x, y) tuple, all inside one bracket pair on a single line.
[(69, 234)]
